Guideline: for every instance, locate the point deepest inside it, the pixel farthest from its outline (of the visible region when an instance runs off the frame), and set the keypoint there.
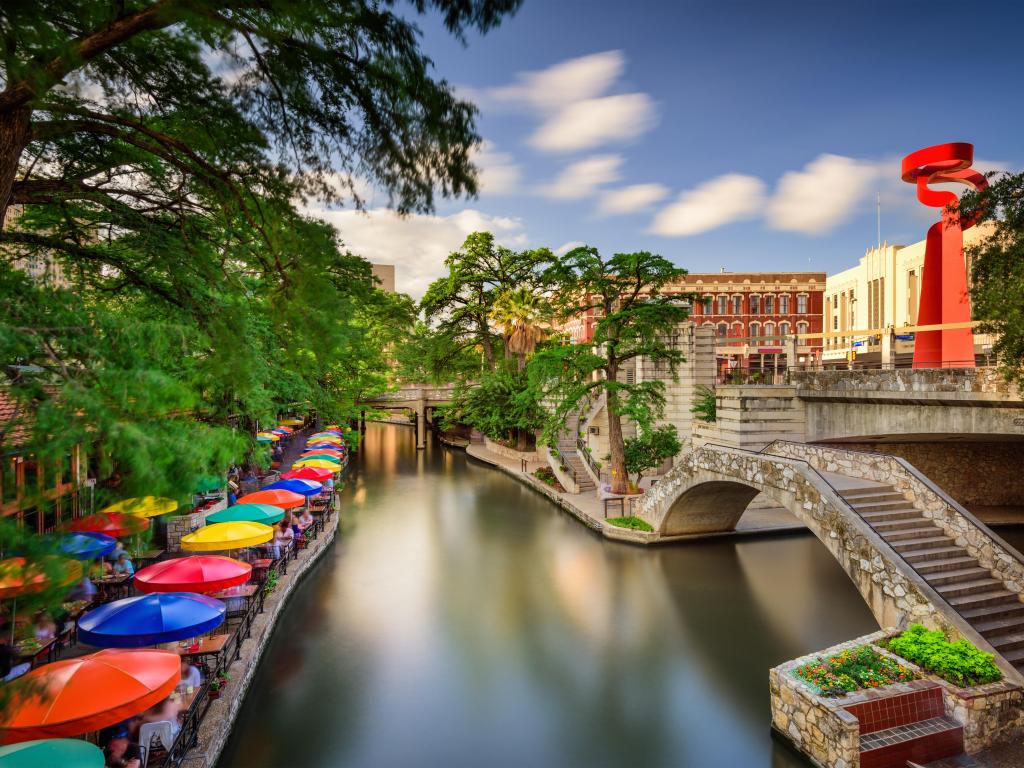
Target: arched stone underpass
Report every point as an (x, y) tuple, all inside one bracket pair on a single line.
[(710, 487)]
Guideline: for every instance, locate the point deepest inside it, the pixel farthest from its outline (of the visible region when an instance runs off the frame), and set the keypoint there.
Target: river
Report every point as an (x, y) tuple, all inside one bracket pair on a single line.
[(462, 620)]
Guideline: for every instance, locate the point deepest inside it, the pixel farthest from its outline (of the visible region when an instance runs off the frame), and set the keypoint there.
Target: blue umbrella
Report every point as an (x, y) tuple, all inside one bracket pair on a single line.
[(87, 545), (160, 617), (329, 446), (305, 487)]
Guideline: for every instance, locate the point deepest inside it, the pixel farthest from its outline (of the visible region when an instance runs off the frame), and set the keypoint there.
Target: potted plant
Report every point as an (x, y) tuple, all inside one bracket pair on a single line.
[(219, 681)]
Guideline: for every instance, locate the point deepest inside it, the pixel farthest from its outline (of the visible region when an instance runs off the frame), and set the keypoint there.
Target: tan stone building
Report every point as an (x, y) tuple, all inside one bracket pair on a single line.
[(386, 274)]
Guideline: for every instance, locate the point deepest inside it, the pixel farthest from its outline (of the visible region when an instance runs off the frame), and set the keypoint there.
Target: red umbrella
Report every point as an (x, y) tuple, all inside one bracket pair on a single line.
[(111, 523), (276, 497), (307, 473), (202, 573), (76, 696)]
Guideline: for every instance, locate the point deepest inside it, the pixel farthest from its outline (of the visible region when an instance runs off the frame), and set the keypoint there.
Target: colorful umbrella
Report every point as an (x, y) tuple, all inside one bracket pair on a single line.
[(87, 546), (267, 514), (317, 464), (147, 506), (276, 497), (161, 617), (270, 435), (291, 422), (67, 753), (284, 428), (87, 693), (325, 438), (325, 448), (307, 473), (201, 573), (110, 523), (318, 455), (301, 487), (265, 438), (221, 536), (280, 432), (19, 576)]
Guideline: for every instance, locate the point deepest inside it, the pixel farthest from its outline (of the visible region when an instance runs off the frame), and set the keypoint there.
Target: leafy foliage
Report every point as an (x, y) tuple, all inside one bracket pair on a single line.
[(632, 522), (853, 669), (705, 406), (997, 289), (501, 405), (959, 662), (650, 449)]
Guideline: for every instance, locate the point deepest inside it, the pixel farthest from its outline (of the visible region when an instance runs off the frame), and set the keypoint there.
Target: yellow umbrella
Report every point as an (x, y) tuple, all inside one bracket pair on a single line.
[(268, 435), (221, 536), (317, 464), (147, 506), (325, 439), (292, 422)]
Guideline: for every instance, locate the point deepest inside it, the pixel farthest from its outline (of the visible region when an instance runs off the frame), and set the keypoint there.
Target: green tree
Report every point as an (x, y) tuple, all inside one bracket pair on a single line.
[(997, 289), (634, 319), (460, 304), (502, 405), (520, 313), (650, 449)]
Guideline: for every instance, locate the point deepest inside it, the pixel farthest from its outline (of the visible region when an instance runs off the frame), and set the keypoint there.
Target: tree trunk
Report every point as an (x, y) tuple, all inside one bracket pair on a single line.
[(521, 439), (521, 361), (485, 341), (616, 445), (15, 128)]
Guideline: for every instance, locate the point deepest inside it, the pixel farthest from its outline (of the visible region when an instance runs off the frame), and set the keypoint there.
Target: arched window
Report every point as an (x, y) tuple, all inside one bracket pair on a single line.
[(769, 329), (801, 327), (755, 329), (705, 304), (755, 304), (723, 329), (783, 329)]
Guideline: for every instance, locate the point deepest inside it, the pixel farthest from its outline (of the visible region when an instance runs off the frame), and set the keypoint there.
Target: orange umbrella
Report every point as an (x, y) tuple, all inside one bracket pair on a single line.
[(113, 524), (18, 576), (76, 696), (276, 496)]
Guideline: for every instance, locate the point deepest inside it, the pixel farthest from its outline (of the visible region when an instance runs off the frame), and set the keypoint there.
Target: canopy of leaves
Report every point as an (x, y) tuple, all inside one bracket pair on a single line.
[(650, 449), (501, 406)]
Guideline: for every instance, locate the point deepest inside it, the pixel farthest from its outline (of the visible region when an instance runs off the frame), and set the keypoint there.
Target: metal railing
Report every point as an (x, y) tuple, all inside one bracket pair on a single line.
[(584, 452)]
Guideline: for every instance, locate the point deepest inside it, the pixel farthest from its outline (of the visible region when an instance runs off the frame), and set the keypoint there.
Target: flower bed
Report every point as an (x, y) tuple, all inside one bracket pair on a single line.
[(958, 662), (852, 669)]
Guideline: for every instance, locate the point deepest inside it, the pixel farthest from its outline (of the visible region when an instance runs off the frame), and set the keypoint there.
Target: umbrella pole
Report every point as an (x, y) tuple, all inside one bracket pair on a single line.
[(14, 618)]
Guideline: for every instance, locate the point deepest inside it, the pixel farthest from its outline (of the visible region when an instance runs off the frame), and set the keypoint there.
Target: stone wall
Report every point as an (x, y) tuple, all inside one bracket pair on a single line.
[(181, 525), (512, 453), (990, 714), (749, 416), (983, 473), (907, 380)]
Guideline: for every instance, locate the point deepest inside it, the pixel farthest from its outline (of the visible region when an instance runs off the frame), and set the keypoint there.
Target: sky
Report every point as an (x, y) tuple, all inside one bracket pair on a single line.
[(720, 134)]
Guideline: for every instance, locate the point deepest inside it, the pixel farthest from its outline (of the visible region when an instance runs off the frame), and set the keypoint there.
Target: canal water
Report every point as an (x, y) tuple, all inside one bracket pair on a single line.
[(462, 620)]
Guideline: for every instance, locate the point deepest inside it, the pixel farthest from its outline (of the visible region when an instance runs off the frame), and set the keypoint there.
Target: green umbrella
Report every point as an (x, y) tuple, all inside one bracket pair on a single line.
[(251, 513), (324, 456), (68, 753), (208, 483)]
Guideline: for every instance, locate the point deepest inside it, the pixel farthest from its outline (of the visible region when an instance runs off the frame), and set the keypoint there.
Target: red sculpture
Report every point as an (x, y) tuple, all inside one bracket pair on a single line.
[(944, 294)]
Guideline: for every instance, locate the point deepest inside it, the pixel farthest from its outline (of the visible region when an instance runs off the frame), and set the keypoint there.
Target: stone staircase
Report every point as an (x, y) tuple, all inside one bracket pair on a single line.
[(570, 455), (972, 590)]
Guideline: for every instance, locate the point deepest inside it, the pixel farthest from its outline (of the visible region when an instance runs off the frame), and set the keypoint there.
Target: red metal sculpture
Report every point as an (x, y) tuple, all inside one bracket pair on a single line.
[(944, 294)]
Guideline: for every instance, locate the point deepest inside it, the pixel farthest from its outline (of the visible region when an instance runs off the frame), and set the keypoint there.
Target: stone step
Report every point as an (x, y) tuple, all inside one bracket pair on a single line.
[(879, 498), (967, 587), (911, 534), (982, 599), (1007, 610), (886, 527), (925, 740), (942, 553), (883, 517), (886, 506), (1008, 642), (929, 566), (994, 628), (866, 490), (925, 542), (938, 578), (1015, 657)]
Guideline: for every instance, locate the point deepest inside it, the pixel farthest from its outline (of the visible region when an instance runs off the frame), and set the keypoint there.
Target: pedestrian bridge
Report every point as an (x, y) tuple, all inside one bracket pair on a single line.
[(914, 554), (418, 398)]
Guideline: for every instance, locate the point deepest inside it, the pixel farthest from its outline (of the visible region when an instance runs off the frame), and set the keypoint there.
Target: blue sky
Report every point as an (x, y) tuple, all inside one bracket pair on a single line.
[(744, 135)]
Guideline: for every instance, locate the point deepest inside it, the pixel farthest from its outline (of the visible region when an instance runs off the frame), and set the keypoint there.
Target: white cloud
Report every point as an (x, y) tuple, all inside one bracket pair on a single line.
[(564, 248), (572, 101), (823, 195), (721, 200), (635, 197), (498, 174), (416, 244), (583, 178)]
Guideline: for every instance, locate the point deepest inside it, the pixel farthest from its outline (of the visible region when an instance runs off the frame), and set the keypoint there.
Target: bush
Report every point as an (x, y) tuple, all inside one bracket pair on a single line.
[(851, 670), (705, 407), (633, 522), (960, 662), (546, 475)]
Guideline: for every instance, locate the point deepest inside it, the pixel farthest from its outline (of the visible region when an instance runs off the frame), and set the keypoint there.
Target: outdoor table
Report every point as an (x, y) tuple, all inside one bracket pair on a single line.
[(145, 557), (242, 591), (209, 646), (108, 586), (32, 653)]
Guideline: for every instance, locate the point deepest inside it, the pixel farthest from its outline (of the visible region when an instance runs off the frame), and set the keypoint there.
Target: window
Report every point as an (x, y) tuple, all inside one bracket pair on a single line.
[(8, 479), (769, 329), (706, 305), (784, 304), (801, 328), (723, 329), (737, 305), (755, 305), (769, 305), (835, 322), (722, 304), (783, 329), (912, 296), (801, 304), (755, 329)]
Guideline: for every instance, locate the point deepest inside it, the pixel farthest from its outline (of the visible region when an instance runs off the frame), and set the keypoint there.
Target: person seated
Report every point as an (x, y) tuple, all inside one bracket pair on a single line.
[(84, 590), (123, 566), (117, 551), (191, 677), (166, 711), (305, 520), (45, 628), (101, 569), (283, 537), (122, 752)]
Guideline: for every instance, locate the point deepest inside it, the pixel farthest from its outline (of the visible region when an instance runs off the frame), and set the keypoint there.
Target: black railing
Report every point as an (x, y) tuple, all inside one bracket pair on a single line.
[(584, 451)]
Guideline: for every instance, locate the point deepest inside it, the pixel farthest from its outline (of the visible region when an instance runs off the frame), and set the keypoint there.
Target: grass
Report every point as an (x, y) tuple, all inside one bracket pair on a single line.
[(632, 522)]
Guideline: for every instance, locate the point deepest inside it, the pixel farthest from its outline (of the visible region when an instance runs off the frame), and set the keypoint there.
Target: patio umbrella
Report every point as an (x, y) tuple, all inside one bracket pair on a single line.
[(284, 428), (208, 483), (20, 576), (319, 455), (265, 438), (86, 546), (325, 448), (325, 438), (267, 514), (160, 617), (67, 753), (111, 523), (201, 573), (88, 693), (221, 536), (317, 464), (280, 432), (291, 422), (273, 436), (301, 487), (147, 506), (276, 497), (307, 473)]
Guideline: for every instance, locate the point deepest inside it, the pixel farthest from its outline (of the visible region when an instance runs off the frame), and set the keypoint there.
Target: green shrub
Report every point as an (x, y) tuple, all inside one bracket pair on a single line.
[(705, 406), (851, 670), (633, 522), (958, 662)]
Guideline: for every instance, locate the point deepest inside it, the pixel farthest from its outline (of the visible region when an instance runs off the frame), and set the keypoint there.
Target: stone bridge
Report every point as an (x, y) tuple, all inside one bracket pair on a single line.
[(419, 398), (913, 553)]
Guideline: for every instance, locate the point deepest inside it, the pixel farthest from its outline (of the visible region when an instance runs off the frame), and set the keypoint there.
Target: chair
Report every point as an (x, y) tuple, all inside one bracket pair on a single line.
[(162, 730)]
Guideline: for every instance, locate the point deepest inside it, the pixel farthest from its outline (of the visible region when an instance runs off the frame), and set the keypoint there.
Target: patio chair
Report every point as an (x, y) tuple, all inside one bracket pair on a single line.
[(163, 731)]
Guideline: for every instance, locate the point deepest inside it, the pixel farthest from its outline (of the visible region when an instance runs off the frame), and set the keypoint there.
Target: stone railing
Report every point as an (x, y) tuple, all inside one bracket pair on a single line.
[(964, 381)]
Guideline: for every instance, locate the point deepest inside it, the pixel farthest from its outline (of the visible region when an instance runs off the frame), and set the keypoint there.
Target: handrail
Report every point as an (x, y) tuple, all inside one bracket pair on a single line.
[(583, 450)]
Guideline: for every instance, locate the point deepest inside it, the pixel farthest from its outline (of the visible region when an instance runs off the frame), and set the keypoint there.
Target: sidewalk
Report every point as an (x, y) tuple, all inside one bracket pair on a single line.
[(589, 509)]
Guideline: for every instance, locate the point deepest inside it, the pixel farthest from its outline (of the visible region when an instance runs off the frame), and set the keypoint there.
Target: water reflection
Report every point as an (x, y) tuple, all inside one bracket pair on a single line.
[(462, 620)]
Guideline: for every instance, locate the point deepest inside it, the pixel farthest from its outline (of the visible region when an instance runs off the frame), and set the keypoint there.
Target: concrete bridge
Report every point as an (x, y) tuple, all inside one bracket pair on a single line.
[(418, 398), (913, 553)]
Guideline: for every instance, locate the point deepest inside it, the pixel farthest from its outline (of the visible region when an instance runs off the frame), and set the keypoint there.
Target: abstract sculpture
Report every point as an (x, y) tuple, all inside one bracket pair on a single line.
[(944, 294)]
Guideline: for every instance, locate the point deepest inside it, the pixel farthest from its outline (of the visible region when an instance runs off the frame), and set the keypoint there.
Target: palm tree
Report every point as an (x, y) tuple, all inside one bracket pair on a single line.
[(519, 312)]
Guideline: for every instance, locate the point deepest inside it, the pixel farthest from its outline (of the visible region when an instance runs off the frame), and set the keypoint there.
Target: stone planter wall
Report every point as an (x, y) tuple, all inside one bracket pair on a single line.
[(556, 467), (181, 525), (512, 453), (990, 714)]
